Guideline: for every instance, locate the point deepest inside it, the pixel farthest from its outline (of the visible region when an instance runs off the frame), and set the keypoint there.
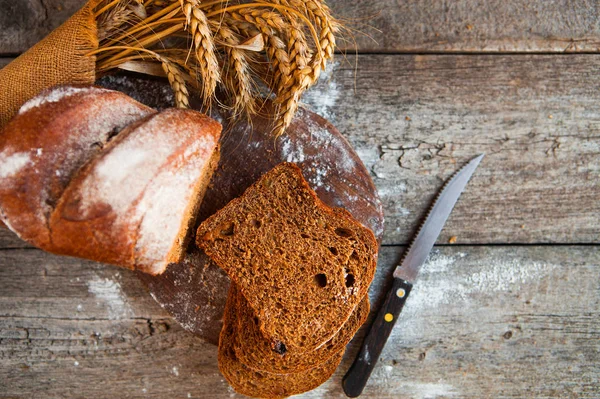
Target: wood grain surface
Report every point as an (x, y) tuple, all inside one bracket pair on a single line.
[(503, 321), (25, 22), (485, 319), (419, 26), (414, 119)]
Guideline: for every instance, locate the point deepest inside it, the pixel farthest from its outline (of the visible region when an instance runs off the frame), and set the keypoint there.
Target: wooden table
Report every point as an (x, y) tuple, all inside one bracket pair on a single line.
[(511, 310)]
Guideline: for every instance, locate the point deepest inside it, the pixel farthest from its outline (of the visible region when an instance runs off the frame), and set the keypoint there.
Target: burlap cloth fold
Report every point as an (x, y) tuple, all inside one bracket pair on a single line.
[(60, 58)]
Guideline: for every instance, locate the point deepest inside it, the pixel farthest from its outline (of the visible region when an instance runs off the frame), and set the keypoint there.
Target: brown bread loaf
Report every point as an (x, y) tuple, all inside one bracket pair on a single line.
[(302, 266), (43, 147), (262, 384), (139, 198), (91, 173), (256, 352)]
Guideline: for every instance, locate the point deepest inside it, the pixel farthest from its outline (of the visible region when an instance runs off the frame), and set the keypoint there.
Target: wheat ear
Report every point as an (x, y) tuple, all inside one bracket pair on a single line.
[(198, 27), (268, 23), (112, 20), (239, 81), (177, 82)]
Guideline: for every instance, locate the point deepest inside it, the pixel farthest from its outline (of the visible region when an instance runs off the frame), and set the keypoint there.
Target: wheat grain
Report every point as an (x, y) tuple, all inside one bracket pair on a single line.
[(299, 40), (198, 27), (238, 82), (177, 82), (269, 23), (111, 21), (287, 103), (318, 12)]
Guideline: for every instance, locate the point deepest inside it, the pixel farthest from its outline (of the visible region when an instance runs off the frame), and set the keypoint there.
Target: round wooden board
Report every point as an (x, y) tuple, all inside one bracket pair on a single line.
[(194, 291)]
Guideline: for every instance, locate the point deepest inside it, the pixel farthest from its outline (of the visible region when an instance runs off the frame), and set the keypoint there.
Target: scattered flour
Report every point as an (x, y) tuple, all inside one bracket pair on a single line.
[(291, 151), (402, 211), (393, 189), (427, 390), (175, 371), (439, 285), (413, 389), (109, 294), (323, 98), (309, 147), (496, 275), (232, 393), (55, 95), (11, 164)]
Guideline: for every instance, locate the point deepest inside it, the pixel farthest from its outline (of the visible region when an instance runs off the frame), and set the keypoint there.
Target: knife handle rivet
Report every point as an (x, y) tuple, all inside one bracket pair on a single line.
[(388, 317), (400, 293)]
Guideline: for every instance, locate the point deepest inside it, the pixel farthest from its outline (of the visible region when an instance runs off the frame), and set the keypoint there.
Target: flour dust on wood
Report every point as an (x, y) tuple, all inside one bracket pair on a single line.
[(445, 283), (109, 295)]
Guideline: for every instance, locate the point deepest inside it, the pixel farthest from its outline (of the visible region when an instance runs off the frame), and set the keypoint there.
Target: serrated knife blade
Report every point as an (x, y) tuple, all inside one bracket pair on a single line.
[(404, 275), (434, 222)]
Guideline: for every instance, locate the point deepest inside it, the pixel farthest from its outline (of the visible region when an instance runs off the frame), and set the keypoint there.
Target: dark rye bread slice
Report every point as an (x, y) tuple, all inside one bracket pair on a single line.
[(261, 384), (302, 266), (258, 353)]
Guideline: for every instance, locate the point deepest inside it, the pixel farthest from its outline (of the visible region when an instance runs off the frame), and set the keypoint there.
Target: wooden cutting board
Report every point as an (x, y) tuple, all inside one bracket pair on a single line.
[(194, 291)]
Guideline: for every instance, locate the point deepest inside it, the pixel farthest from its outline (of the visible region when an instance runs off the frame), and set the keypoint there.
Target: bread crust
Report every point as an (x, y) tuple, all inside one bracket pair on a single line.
[(258, 353), (133, 204), (262, 384), (91, 173), (43, 147)]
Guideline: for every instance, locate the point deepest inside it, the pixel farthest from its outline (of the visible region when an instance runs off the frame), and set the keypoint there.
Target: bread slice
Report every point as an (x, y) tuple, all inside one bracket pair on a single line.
[(258, 353), (47, 142), (302, 266), (262, 384), (135, 202)]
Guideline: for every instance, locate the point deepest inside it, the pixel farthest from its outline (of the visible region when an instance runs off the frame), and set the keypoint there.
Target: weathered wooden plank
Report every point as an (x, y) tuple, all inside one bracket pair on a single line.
[(25, 22), (415, 119), (4, 61), (481, 322), (473, 25), (404, 26)]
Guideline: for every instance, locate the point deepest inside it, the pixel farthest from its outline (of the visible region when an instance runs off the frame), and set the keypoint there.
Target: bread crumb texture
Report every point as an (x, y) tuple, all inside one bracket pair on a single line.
[(263, 384), (302, 266), (262, 354)]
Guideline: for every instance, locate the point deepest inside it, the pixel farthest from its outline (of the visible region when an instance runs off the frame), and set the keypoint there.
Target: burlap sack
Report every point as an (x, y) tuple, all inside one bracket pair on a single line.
[(60, 58)]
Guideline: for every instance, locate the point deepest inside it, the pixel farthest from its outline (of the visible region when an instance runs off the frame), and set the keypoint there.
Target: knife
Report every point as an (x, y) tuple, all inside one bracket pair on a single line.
[(404, 276)]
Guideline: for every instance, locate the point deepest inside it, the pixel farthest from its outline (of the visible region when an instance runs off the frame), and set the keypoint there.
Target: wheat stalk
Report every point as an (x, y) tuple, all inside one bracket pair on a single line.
[(197, 25), (238, 79), (177, 82), (298, 35)]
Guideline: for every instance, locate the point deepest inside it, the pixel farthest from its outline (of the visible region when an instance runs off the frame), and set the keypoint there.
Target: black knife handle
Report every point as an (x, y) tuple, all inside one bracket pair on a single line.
[(357, 376)]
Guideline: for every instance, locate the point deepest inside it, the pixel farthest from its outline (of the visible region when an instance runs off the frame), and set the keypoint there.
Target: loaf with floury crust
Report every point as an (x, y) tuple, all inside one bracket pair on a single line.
[(92, 173)]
